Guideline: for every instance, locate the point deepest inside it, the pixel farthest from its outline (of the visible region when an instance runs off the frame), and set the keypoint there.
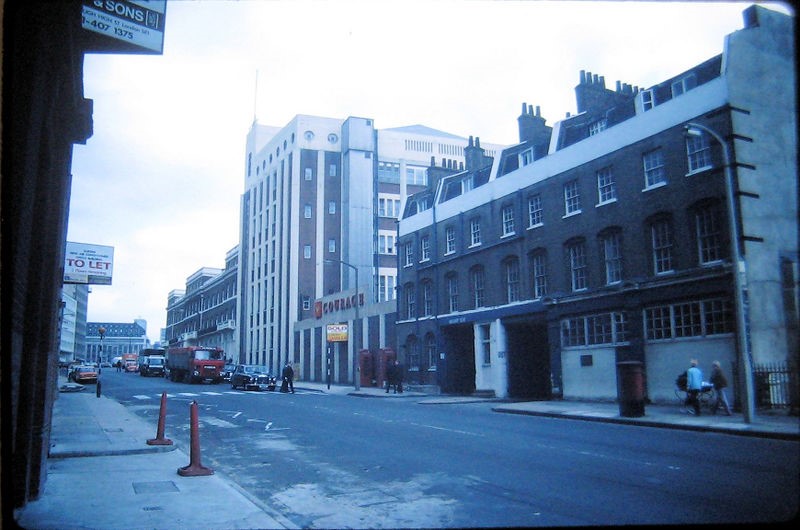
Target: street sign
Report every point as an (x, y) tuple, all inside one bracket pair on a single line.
[(139, 23), (336, 332)]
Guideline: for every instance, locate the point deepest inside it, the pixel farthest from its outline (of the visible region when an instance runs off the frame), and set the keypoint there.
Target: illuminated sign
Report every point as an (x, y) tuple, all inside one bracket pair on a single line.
[(88, 264), (136, 22)]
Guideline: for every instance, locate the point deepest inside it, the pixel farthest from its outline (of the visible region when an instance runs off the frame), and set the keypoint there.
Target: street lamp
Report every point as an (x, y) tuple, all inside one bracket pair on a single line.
[(102, 331), (739, 273), (356, 332)]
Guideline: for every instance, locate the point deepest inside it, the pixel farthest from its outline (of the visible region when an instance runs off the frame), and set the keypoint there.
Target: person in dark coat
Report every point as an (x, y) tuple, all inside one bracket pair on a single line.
[(398, 377), (288, 378), (390, 376), (719, 381)]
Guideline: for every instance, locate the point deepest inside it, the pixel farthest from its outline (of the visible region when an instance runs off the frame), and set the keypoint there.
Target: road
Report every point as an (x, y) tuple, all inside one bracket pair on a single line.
[(332, 461)]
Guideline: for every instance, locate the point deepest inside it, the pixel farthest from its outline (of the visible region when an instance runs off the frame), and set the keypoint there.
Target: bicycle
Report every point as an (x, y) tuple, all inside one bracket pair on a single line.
[(705, 396)]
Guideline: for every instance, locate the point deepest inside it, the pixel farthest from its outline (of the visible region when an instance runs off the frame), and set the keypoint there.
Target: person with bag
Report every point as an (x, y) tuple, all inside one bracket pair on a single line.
[(719, 381)]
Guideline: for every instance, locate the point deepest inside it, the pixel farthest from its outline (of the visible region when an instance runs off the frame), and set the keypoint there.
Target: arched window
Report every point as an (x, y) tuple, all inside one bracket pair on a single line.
[(430, 350)]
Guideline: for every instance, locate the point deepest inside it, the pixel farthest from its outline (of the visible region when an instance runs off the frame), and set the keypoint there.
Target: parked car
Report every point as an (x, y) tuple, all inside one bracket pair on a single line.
[(252, 377), (83, 374), (227, 371)]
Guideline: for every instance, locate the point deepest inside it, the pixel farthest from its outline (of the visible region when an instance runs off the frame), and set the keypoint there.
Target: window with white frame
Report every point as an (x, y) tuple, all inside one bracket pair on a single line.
[(698, 152), (697, 318), (411, 300), (386, 283), (508, 220), (427, 298), (576, 252), (388, 206), (606, 187), (683, 85), (332, 170), (412, 353), (450, 240), (597, 126), (709, 237), (535, 212), (539, 272), (526, 157), (611, 246), (485, 337), (648, 99), (572, 198), (512, 280), (477, 282), (386, 242), (654, 171), (590, 330), (452, 292), (417, 176), (474, 232), (307, 211), (424, 248), (309, 173), (430, 349), (332, 245), (661, 242)]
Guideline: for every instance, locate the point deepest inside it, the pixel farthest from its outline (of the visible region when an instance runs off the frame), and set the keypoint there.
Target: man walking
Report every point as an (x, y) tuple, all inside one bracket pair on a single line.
[(288, 377)]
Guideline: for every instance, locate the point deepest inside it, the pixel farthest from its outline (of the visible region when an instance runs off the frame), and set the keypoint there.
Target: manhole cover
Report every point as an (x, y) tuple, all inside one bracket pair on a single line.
[(164, 486)]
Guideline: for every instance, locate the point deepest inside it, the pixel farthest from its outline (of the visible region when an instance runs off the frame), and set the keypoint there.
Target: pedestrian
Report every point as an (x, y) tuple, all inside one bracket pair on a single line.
[(118, 364), (694, 383), (288, 378), (390, 376), (719, 381), (398, 377)]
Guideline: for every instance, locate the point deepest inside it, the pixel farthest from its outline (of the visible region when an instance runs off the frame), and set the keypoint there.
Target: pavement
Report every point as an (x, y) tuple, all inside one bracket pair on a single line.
[(102, 473)]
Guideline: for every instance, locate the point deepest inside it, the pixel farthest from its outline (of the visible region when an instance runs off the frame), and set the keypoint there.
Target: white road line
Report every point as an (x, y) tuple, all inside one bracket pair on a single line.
[(210, 393), (446, 429), (237, 414), (140, 396), (189, 394)]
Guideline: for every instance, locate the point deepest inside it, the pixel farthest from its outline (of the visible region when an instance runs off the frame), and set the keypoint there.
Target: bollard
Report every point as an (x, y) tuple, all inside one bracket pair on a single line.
[(162, 415), (195, 468), (97, 389)]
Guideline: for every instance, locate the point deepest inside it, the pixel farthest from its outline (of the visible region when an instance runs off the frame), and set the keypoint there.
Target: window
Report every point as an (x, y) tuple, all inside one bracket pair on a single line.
[(450, 240), (452, 292), (683, 85), (589, 330), (332, 246), (430, 349), (409, 254), (698, 152), (610, 244), (576, 252), (526, 157), (307, 211), (386, 290), (427, 298), (477, 286), (309, 172), (511, 277), (648, 99), (597, 126), (508, 221), (424, 249), (412, 353), (474, 232), (485, 333), (307, 251), (707, 228), (417, 176), (386, 243), (535, 210), (332, 207), (572, 198), (606, 188), (332, 170), (539, 271), (661, 239), (697, 318), (654, 173), (388, 207), (410, 301)]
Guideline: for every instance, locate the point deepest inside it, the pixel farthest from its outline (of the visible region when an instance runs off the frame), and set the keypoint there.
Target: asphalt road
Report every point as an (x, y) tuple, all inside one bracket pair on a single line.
[(331, 461)]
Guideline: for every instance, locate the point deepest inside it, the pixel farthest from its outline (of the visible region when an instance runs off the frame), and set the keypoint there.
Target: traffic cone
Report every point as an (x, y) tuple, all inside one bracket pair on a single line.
[(162, 414), (195, 468)]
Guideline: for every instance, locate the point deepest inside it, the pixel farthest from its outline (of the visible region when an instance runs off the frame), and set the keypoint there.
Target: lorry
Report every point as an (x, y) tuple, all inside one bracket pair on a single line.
[(152, 362), (195, 364), (130, 362)]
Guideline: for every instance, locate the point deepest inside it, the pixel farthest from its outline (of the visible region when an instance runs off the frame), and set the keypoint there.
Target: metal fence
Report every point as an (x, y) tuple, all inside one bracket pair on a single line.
[(776, 386)]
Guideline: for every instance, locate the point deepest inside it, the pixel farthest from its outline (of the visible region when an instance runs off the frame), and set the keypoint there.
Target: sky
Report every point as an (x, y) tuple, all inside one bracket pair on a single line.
[(161, 178)]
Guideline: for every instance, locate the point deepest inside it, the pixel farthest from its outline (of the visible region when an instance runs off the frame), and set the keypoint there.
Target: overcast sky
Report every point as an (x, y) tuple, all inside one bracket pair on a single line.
[(160, 179)]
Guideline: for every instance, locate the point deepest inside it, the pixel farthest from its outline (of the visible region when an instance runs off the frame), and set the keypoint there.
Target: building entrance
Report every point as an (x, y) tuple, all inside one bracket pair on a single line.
[(459, 363), (528, 360)]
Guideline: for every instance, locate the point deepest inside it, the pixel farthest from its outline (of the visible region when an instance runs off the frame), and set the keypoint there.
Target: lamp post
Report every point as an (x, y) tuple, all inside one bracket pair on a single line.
[(739, 273), (356, 331), (102, 331)]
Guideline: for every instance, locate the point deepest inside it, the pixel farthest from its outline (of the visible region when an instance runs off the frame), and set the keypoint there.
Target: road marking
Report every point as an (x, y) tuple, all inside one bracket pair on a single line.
[(446, 429), (141, 397), (210, 393), (188, 394), (237, 414)]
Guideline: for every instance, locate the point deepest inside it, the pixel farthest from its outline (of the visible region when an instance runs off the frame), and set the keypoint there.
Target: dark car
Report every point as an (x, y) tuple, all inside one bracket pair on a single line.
[(83, 374), (252, 377), (227, 371)]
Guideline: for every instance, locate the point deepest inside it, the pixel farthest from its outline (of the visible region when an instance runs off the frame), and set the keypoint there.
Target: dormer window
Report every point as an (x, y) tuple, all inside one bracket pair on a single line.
[(597, 126), (683, 85), (526, 157), (648, 99)]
